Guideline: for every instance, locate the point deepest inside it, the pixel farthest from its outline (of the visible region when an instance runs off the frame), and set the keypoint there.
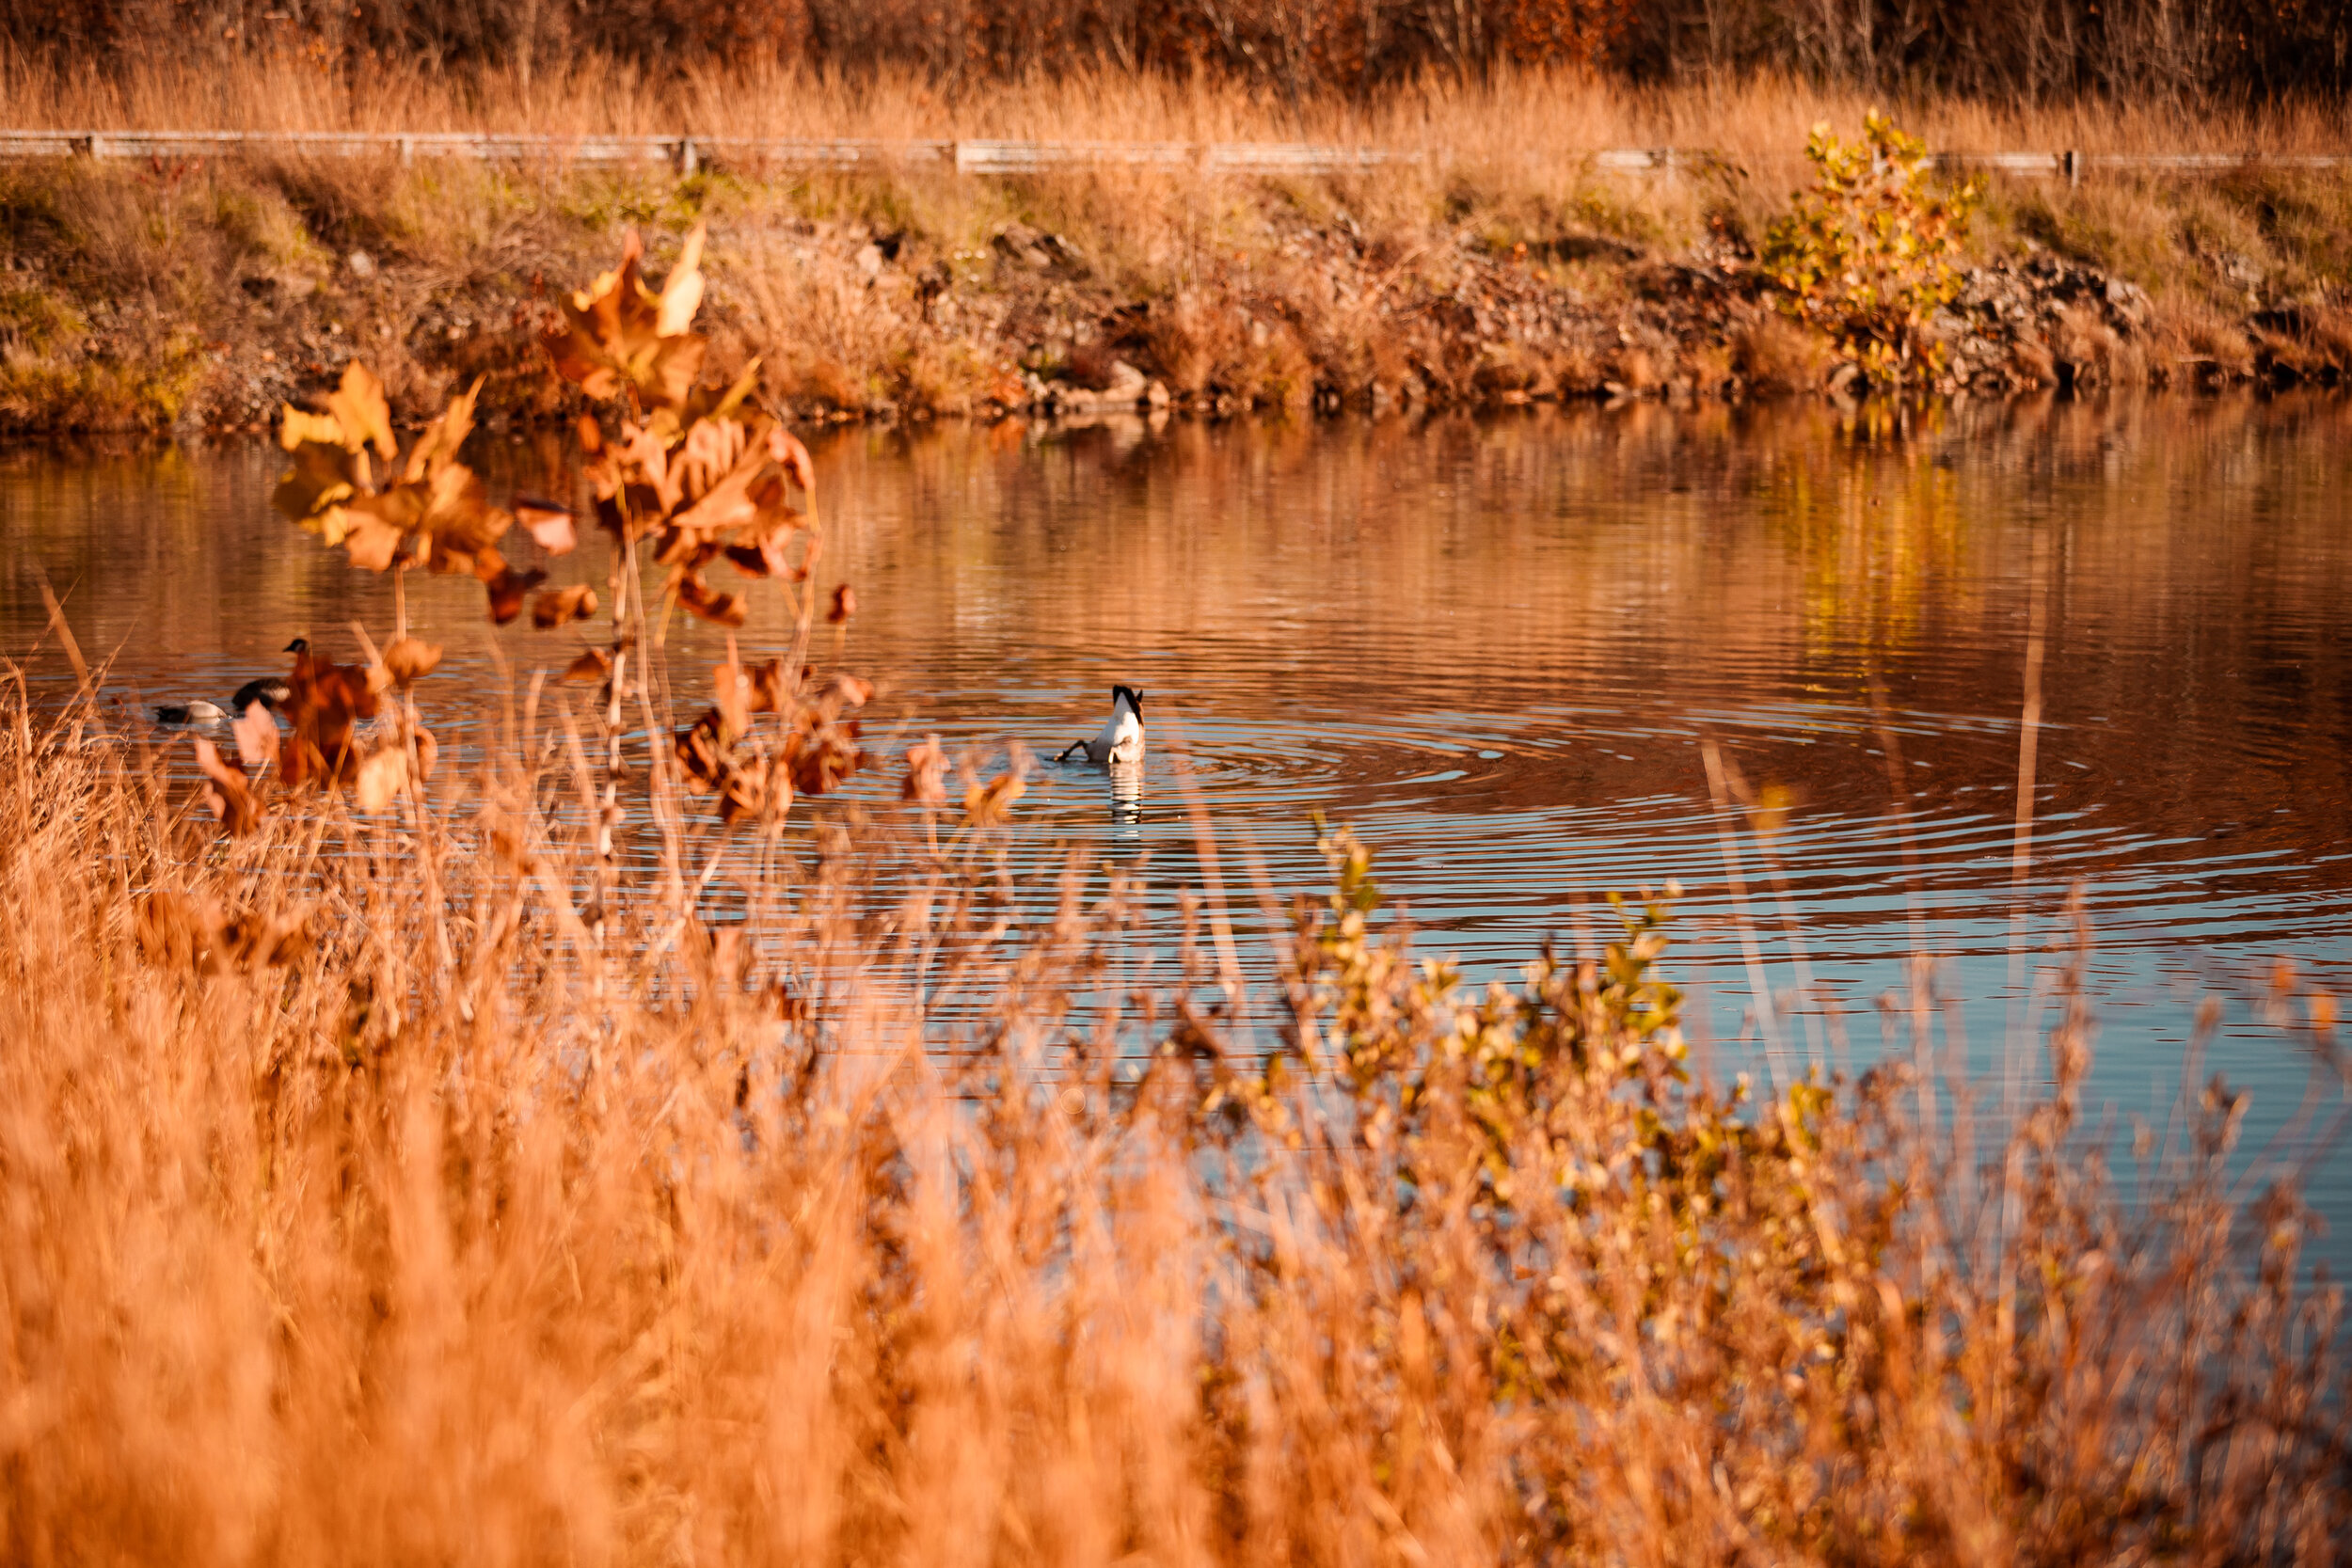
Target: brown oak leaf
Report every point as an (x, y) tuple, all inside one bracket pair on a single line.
[(226, 791), (726, 610), (558, 607)]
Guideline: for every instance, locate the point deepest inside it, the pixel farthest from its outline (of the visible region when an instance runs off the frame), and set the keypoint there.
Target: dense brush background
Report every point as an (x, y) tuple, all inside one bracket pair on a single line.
[(2033, 49)]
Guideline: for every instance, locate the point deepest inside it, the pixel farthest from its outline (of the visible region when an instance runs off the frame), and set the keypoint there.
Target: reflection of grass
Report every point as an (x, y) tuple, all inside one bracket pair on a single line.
[(359, 1199), (1881, 545)]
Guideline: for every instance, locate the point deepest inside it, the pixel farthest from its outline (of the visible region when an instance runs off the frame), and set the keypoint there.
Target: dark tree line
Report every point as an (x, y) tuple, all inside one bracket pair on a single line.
[(2038, 50)]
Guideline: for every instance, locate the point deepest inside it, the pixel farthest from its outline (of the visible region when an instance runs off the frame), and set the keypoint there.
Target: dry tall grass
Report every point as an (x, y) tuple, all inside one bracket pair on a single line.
[(1504, 117), (356, 1204)]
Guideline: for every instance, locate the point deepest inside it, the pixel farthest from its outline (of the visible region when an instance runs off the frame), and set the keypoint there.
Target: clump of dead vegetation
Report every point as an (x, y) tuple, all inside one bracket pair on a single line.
[(385, 1184), (543, 1164)]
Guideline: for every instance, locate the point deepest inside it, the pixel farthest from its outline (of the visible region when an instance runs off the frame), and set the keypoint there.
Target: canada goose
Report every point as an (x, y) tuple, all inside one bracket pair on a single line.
[(268, 690), (1122, 740)]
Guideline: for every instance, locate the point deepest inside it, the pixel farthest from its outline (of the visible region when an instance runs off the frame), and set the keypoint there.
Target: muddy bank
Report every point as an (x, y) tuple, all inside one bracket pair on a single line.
[(201, 299)]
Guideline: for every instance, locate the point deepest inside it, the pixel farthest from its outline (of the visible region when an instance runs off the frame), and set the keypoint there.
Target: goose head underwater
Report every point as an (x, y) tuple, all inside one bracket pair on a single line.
[(1121, 739), (271, 691)]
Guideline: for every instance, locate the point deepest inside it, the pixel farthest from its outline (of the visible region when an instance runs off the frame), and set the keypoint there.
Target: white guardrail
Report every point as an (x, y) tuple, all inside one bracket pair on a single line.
[(686, 154)]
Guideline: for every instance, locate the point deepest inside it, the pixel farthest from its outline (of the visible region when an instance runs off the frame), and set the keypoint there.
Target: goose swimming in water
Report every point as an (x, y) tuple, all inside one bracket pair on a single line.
[(268, 690), (271, 691), (1121, 740)]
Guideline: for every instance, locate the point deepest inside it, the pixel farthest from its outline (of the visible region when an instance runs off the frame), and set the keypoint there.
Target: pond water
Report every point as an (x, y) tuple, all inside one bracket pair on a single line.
[(1501, 648)]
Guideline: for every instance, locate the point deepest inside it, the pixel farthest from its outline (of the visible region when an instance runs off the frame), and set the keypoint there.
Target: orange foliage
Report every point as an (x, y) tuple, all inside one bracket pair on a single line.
[(326, 703)]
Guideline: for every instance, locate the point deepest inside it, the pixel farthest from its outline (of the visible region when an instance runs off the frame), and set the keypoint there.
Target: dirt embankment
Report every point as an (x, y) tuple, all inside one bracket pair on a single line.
[(203, 299)]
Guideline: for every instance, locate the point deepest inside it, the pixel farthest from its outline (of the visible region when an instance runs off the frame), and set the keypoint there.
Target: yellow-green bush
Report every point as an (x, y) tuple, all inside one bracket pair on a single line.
[(1874, 249)]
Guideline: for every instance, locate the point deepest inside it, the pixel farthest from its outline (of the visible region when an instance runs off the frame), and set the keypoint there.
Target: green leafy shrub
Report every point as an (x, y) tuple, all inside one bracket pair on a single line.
[(1869, 254)]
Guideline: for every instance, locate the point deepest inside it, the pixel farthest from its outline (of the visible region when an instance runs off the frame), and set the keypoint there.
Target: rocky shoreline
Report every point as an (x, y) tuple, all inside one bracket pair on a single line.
[(850, 319)]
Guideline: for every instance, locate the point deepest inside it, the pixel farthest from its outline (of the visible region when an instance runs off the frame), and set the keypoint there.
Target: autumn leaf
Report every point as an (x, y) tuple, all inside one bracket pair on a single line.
[(682, 291), (710, 402), (748, 499), (618, 334), (726, 610), (298, 428), (323, 703), (405, 662), (562, 605), (987, 804), (226, 791), (796, 461), (762, 553), (257, 736), (593, 664), (330, 449), (844, 691), (712, 451), (436, 513), (690, 552), (437, 448), (701, 751), (822, 768), (356, 418), (632, 481), (746, 785), (820, 753), (457, 518), (324, 472), (359, 406), (734, 691), (370, 540), (927, 775), (508, 588), (382, 777), (990, 803), (550, 526), (727, 506), (718, 485), (843, 605), (391, 770), (772, 686)]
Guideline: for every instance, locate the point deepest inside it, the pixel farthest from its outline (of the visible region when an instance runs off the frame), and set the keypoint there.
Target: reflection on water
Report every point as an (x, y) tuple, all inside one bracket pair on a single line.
[(1499, 649), (1126, 781)]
